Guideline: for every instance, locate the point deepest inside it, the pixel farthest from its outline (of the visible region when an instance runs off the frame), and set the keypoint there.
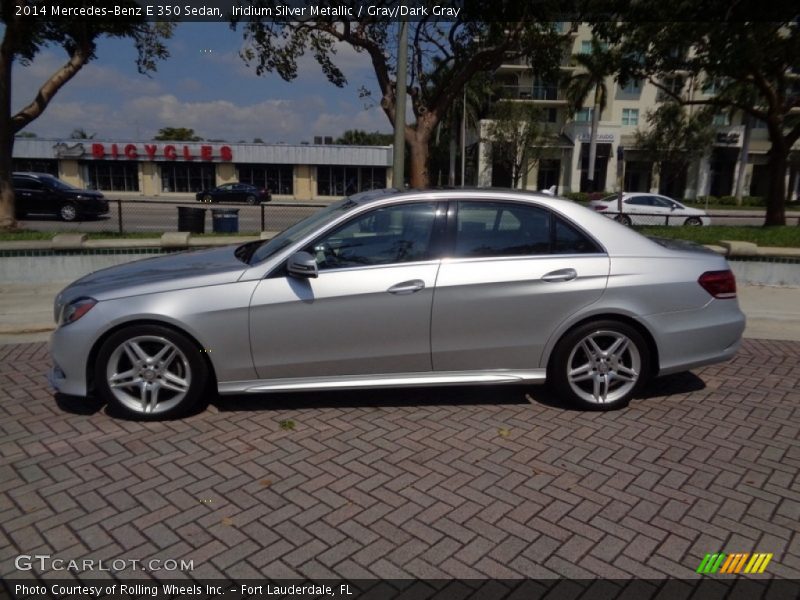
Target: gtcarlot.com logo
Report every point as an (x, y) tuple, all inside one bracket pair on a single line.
[(46, 562), (734, 564)]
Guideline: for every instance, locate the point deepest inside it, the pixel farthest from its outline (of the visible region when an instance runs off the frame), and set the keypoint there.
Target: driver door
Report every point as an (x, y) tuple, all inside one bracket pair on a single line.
[(369, 310)]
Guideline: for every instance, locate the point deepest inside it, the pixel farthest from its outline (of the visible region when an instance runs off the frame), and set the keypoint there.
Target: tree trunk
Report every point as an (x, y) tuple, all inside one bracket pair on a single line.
[(7, 220), (593, 139), (418, 141), (451, 172), (777, 161)]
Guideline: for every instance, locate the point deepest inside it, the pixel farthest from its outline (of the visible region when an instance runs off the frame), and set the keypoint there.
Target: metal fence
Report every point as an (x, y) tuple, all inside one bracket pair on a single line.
[(159, 216)]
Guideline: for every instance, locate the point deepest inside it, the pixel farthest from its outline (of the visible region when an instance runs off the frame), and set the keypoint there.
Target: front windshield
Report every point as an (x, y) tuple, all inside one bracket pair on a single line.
[(301, 229)]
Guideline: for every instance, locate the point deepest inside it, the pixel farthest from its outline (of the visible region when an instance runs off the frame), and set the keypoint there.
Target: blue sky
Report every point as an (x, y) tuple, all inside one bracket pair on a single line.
[(204, 85)]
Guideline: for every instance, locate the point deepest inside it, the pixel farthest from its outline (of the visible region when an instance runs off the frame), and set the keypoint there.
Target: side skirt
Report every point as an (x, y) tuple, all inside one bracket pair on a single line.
[(351, 382)]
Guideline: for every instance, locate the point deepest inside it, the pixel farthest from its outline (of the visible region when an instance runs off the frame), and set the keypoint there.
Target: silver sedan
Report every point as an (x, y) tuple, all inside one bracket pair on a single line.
[(387, 289)]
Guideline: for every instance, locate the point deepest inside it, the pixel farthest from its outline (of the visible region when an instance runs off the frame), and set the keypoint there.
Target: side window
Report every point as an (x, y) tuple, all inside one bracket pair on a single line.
[(24, 183), (394, 234), (640, 201), (486, 229), (568, 240)]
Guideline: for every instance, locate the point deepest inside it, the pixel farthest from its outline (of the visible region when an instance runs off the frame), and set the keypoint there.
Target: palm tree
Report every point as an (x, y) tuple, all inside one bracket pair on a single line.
[(590, 78), (80, 133)]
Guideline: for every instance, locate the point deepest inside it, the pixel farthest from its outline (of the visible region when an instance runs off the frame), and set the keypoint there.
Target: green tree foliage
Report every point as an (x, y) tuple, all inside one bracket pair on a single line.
[(177, 134), (752, 66), (358, 137), (442, 56), (517, 136), (675, 136), (24, 37)]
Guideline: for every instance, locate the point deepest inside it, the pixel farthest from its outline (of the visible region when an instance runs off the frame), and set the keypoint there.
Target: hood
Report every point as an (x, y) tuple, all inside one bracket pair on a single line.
[(197, 268)]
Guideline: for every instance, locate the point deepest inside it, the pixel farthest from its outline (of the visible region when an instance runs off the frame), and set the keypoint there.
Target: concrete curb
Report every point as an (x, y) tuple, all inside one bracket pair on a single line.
[(171, 240)]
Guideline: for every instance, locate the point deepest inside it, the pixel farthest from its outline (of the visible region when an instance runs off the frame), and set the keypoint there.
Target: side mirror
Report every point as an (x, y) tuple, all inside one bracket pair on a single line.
[(302, 264)]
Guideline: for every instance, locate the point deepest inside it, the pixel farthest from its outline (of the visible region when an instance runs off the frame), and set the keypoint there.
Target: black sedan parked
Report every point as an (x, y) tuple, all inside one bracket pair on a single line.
[(235, 192), (42, 193)]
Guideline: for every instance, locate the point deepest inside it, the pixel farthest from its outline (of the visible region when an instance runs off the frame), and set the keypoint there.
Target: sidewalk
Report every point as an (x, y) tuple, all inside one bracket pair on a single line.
[(26, 311)]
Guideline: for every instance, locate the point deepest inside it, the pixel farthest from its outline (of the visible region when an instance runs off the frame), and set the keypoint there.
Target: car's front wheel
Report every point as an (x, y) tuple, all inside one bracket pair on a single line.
[(68, 212), (251, 199), (150, 372), (600, 365), (693, 222)]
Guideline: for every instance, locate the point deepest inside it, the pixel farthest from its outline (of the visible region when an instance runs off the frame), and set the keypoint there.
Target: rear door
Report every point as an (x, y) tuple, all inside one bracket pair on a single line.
[(515, 272), (31, 195)]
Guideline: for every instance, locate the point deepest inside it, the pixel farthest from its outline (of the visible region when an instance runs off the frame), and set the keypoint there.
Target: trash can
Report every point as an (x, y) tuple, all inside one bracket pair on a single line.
[(192, 220), (225, 220)]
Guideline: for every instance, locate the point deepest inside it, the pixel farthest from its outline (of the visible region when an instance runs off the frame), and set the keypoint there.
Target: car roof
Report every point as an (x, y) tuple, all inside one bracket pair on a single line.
[(33, 175)]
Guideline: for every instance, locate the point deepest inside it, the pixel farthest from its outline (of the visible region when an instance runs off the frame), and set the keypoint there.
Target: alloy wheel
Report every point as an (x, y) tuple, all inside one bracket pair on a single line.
[(603, 367), (68, 212), (148, 374)]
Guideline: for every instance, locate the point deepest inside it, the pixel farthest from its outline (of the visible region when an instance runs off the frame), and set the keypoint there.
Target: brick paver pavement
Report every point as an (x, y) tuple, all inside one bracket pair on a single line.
[(439, 483)]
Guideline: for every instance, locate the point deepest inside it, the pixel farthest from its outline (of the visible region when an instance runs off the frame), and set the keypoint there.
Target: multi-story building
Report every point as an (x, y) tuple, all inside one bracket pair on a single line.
[(564, 160)]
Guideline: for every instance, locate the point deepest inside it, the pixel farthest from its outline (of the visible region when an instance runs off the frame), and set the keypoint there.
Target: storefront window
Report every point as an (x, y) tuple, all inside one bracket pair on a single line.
[(186, 177), (344, 181), (36, 165), (117, 176), (278, 179)]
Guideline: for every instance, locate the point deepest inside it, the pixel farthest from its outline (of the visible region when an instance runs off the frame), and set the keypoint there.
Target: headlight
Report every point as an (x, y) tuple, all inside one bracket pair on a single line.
[(76, 309)]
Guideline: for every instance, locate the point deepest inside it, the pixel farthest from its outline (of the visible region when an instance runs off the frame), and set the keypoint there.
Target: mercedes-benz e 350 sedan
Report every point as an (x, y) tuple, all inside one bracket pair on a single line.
[(387, 289)]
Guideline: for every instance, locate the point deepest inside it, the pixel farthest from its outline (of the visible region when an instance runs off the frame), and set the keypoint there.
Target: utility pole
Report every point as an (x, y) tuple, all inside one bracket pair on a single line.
[(398, 164), (464, 137)]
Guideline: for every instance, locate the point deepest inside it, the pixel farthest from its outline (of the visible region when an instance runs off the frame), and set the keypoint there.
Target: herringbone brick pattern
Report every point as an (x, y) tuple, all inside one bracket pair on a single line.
[(463, 483)]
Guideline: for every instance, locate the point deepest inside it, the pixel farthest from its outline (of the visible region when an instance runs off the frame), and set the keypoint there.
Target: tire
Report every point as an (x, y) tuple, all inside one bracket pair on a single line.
[(164, 360), (68, 212), (623, 219), (588, 373), (208, 198), (250, 199), (693, 222)]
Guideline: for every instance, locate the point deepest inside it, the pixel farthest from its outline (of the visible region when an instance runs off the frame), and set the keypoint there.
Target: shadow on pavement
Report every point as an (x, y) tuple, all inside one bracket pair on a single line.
[(78, 405)]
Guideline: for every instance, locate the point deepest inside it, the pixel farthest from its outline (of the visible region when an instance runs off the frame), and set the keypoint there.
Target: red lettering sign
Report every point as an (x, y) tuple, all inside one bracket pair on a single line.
[(206, 153), (130, 151), (114, 151), (133, 152), (187, 154), (169, 152), (226, 153), (98, 151), (150, 149)]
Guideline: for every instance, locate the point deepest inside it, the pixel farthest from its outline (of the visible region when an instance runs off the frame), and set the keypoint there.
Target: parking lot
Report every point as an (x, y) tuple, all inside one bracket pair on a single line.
[(486, 482)]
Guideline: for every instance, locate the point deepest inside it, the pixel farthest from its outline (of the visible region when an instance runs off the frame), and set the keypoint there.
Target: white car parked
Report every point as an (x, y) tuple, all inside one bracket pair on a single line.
[(639, 208)]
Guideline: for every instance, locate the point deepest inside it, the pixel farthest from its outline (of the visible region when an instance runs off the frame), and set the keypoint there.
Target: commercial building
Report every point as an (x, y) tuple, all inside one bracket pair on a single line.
[(564, 161), (167, 170)]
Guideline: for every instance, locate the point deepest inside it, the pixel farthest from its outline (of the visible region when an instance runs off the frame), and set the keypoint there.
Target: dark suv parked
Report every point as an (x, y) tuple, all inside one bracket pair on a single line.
[(42, 193)]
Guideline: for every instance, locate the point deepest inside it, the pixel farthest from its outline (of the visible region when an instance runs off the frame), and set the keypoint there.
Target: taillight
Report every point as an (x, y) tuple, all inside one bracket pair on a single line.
[(600, 207), (720, 284)]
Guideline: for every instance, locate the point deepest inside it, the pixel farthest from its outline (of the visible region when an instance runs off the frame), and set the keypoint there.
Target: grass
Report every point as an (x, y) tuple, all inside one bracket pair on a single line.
[(787, 236)]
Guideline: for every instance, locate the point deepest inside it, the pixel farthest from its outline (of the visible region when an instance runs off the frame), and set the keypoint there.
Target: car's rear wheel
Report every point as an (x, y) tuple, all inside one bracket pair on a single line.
[(150, 372), (624, 219), (250, 199), (68, 212), (600, 365), (693, 222)]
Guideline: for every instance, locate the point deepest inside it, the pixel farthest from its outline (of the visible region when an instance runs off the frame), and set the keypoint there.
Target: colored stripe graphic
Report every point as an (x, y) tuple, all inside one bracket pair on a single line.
[(730, 564)]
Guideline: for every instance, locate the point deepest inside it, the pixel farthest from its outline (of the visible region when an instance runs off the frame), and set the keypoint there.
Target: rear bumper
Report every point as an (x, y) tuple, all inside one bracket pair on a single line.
[(690, 339)]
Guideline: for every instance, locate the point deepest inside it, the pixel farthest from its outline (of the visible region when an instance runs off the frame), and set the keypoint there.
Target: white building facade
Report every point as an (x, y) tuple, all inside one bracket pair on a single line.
[(564, 162)]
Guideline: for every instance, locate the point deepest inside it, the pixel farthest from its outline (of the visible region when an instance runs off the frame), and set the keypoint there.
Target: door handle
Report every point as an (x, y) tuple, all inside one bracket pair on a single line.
[(560, 275), (407, 287)]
